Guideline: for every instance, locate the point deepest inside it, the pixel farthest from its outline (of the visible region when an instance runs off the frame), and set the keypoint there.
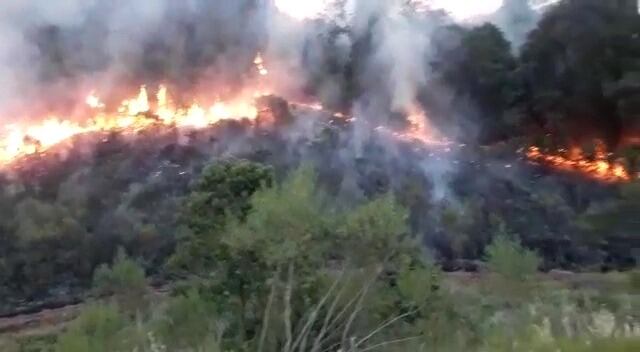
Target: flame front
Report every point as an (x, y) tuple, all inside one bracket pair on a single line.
[(599, 167), (152, 108), (133, 115)]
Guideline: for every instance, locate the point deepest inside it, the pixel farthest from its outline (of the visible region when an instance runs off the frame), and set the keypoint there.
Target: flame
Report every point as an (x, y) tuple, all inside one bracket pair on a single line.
[(420, 131), (133, 115), (140, 112), (599, 167)]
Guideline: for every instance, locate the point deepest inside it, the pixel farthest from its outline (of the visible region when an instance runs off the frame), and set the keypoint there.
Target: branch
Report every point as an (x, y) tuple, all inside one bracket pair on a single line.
[(267, 310), (387, 343), (287, 309), (314, 315), (384, 325), (317, 343), (358, 307)]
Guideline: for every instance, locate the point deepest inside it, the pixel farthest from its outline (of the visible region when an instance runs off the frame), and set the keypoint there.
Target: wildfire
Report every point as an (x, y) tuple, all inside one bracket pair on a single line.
[(419, 130), (599, 167), (152, 108), (132, 115)]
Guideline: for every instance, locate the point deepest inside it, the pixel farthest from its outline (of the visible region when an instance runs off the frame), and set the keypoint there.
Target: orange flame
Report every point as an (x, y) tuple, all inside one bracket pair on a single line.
[(599, 167), (133, 115), (139, 112), (420, 131)]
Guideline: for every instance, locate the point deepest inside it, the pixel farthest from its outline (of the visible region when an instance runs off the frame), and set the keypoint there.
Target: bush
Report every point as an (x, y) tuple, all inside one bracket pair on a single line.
[(187, 322), (125, 281), (507, 258), (98, 329)]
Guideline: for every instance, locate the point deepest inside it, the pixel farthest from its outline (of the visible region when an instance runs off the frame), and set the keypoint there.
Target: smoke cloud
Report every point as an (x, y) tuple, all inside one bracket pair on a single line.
[(53, 47), (375, 63), (516, 18)]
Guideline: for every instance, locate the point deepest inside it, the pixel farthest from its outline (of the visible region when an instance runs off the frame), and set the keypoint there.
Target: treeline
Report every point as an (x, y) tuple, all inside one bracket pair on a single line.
[(575, 76), (280, 266)]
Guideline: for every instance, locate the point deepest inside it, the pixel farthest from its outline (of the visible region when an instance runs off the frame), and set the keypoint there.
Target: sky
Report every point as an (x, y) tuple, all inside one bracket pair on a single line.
[(459, 9)]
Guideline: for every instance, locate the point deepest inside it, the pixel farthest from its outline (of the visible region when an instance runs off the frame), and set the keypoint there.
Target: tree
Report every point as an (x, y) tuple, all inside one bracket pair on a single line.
[(575, 65), (223, 192), (379, 228), (293, 261), (479, 67)]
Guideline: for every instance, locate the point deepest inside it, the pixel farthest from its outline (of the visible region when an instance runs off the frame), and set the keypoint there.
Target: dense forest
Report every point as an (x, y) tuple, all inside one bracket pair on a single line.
[(273, 239)]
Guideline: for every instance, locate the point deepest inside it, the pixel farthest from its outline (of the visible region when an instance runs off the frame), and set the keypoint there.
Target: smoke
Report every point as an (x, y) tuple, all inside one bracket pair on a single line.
[(516, 18), (374, 63), (394, 73), (60, 47)]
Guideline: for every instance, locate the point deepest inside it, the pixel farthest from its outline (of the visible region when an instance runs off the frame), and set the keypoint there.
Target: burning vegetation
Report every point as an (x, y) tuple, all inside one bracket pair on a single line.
[(287, 162), (132, 115), (600, 165)]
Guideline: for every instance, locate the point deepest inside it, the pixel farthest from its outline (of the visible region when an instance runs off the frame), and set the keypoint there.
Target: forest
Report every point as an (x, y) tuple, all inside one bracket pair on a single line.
[(281, 238)]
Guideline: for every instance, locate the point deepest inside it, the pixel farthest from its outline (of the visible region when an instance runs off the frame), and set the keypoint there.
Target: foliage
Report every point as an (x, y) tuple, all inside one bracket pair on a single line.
[(294, 264), (187, 321), (301, 275), (507, 258), (223, 192), (634, 280), (480, 67), (615, 218), (125, 280), (100, 328), (575, 65), (286, 222)]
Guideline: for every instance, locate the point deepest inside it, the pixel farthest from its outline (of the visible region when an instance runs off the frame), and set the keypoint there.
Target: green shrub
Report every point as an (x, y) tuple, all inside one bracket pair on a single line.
[(99, 329), (187, 322), (507, 258), (125, 281)]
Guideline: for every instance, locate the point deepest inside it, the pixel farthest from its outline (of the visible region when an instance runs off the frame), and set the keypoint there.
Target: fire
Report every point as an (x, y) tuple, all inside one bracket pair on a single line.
[(156, 108), (132, 115), (420, 131), (599, 167)]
